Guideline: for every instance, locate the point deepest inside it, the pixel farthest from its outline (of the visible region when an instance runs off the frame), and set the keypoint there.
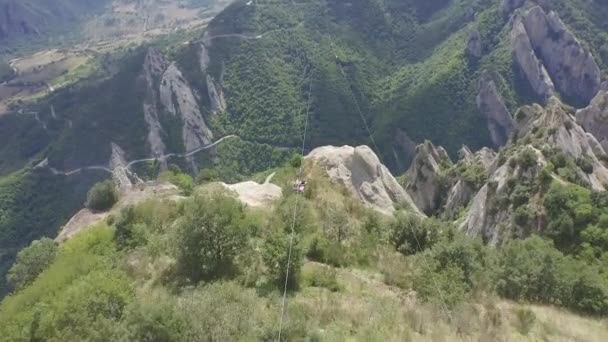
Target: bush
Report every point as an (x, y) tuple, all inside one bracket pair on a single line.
[(102, 196), (411, 234), (31, 261), (181, 180), (296, 160), (525, 320), (322, 276), (276, 257), (209, 237)]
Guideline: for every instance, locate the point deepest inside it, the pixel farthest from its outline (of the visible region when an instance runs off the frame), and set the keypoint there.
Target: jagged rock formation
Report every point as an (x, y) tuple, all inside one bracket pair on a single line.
[(424, 176), (360, 171), (214, 90), (474, 46), (510, 202), (525, 58), (178, 99), (561, 132), (571, 68), (154, 66), (122, 176), (490, 216), (168, 92), (492, 106), (594, 118)]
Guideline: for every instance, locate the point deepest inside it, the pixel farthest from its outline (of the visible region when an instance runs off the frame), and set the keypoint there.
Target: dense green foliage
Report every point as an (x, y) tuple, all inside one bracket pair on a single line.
[(33, 204), (31, 261), (102, 196)]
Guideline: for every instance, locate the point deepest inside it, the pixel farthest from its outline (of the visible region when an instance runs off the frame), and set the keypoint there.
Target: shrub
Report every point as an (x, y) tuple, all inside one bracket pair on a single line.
[(181, 180), (296, 160), (411, 234), (209, 236), (525, 320), (102, 196), (31, 261), (322, 276), (276, 257), (585, 164)]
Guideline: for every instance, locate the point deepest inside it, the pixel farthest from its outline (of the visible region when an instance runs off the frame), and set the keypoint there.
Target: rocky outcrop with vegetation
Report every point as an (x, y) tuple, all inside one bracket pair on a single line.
[(360, 171)]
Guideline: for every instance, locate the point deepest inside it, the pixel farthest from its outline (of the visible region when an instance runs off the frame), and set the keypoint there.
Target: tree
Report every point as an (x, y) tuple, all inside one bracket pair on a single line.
[(31, 261), (102, 196), (411, 234), (209, 236)]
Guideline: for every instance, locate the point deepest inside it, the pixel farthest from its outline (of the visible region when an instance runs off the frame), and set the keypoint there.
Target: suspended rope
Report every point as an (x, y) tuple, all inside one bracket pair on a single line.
[(444, 306), (295, 212)]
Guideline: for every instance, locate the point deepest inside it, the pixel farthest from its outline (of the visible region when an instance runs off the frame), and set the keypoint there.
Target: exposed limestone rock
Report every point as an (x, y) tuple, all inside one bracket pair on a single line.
[(123, 178), (533, 70), (178, 99), (572, 68), (424, 176), (360, 171), (491, 218), (216, 98), (492, 106), (465, 153), (570, 138), (254, 194), (154, 66), (474, 46), (486, 157), (458, 198), (594, 118)]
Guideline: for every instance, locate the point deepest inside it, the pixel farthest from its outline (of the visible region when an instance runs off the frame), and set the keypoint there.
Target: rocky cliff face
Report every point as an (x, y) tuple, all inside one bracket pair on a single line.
[(177, 97), (154, 66), (530, 66), (360, 171), (492, 106), (167, 91), (594, 118), (570, 67), (425, 175)]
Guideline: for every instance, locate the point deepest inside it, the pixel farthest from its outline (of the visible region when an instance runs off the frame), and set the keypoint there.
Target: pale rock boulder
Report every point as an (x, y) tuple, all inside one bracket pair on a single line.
[(360, 171), (424, 176)]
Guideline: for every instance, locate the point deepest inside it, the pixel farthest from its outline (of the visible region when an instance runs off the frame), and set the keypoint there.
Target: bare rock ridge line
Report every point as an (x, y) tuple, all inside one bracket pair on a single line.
[(551, 57)]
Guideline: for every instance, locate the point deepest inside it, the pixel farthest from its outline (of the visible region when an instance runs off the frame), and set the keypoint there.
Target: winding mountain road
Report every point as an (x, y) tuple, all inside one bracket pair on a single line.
[(130, 164)]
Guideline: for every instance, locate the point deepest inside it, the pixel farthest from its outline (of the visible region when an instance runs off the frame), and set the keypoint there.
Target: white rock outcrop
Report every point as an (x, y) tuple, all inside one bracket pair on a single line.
[(360, 171), (424, 176)]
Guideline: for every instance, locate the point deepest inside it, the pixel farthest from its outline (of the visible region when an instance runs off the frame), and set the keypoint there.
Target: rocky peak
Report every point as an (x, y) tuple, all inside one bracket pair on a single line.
[(154, 66), (360, 171), (122, 176), (594, 118), (424, 176), (465, 153), (572, 68), (528, 63), (493, 108)]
